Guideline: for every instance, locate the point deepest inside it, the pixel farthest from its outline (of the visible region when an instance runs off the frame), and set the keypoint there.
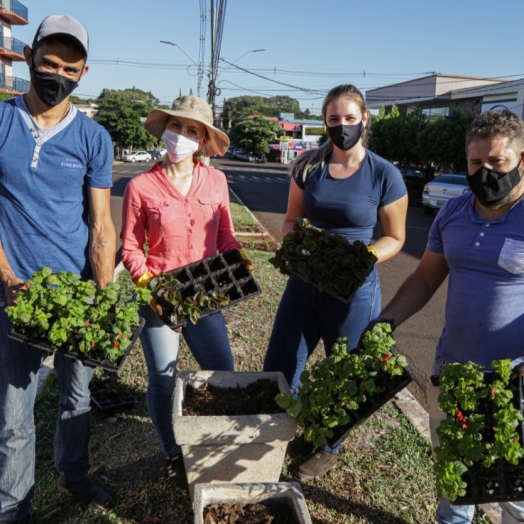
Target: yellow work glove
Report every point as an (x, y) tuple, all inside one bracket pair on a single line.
[(373, 250), (249, 264), (143, 280)]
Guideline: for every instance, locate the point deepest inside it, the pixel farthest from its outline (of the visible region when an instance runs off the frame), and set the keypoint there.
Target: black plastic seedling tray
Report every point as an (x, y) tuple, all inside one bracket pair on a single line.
[(501, 482), (392, 386), (75, 355), (107, 403), (225, 273)]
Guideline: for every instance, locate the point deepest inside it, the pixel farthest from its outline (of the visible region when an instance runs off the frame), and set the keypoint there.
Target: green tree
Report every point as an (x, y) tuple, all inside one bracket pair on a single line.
[(442, 142), (254, 135), (121, 115), (394, 135), (6, 96), (133, 95)]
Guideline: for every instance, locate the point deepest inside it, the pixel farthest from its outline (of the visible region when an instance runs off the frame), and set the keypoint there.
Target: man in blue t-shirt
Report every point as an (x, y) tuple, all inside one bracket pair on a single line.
[(477, 240), (55, 180)]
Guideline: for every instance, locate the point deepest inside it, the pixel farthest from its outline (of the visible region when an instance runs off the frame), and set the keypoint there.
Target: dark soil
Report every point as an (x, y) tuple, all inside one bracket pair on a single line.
[(257, 398), (249, 514), (259, 244)]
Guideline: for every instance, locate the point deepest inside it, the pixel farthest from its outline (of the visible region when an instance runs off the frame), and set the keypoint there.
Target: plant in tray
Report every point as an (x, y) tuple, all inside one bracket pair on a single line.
[(343, 383), (60, 310), (481, 428), (180, 302), (326, 260)]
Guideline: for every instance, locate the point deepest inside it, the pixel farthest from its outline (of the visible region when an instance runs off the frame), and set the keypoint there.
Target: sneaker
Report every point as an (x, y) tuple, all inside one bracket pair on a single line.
[(317, 465), (85, 492), (300, 446), (176, 471)]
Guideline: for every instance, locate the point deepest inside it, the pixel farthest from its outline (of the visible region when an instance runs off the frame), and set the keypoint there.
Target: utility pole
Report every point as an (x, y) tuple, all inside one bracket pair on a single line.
[(212, 73)]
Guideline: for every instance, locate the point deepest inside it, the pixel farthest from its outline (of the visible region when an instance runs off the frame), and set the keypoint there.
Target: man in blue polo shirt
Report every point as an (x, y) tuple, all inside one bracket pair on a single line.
[(55, 180), (478, 240)]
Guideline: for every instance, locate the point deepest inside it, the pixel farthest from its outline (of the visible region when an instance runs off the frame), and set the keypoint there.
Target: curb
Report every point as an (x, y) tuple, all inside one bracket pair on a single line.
[(264, 232)]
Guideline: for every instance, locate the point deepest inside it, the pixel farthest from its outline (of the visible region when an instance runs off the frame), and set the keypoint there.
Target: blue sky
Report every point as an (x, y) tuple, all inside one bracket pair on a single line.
[(313, 45)]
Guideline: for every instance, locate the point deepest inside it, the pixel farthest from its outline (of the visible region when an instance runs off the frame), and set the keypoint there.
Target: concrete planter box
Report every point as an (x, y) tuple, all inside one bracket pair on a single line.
[(247, 448), (288, 493)]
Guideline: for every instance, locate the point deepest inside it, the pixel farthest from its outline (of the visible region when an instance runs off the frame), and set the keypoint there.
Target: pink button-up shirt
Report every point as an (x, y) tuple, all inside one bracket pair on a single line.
[(179, 229)]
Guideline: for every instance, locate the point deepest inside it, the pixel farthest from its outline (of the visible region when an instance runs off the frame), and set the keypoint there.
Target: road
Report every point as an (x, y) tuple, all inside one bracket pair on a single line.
[(264, 188)]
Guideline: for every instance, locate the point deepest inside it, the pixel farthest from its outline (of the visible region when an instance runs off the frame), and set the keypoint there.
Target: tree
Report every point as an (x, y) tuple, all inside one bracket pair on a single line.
[(121, 114), (443, 141), (254, 135), (6, 96), (133, 95), (394, 135)]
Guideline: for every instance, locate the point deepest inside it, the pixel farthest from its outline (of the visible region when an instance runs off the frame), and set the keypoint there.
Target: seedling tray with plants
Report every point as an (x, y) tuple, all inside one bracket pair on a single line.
[(202, 288), (327, 261), (344, 389), (108, 395), (480, 458), (58, 312)]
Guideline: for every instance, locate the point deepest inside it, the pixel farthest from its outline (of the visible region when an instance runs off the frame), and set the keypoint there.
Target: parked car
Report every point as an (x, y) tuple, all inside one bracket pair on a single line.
[(415, 179), (157, 154), (441, 189), (237, 153), (137, 156)]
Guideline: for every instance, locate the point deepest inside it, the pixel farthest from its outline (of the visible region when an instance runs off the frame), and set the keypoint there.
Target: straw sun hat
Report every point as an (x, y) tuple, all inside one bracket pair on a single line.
[(195, 109)]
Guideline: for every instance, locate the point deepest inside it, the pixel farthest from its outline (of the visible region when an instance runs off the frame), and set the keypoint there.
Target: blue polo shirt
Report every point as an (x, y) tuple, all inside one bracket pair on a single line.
[(485, 303), (349, 206), (44, 176)]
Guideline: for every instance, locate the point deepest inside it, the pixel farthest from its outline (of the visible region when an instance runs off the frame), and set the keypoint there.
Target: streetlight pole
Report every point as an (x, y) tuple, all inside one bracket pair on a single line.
[(176, 45)]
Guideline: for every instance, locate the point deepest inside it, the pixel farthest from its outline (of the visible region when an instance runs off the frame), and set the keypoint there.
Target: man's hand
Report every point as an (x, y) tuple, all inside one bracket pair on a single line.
[(12, 287)]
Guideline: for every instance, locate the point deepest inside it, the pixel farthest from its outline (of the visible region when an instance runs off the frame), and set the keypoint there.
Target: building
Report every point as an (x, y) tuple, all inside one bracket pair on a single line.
[(12, 12), (439, 95)]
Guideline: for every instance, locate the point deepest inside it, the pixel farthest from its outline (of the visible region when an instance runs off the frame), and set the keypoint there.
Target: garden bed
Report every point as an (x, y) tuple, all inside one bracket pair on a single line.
[(109, 396)]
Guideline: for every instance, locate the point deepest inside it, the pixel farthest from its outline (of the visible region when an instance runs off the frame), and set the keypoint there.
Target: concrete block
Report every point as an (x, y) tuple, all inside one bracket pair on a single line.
[(247, 448), (289, 493)]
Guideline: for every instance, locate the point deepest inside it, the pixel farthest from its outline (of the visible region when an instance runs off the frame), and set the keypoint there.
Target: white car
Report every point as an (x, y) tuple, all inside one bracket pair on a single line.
[(137, 156), (441, 189)]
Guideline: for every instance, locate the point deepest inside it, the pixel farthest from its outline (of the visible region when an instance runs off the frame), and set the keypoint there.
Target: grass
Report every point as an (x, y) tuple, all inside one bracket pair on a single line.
[(384, 474), (241, 217)]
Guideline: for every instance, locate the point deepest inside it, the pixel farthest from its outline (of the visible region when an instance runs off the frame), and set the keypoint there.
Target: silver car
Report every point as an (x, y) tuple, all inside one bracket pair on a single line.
[(441, 189)]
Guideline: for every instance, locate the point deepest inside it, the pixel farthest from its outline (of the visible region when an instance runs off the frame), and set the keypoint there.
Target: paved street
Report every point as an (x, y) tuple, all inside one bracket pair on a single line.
[(264, 187)]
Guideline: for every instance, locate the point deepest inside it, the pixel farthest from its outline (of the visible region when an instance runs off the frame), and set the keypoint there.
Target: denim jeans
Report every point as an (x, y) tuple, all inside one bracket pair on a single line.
[(209, 344), (447, 513), (19, 368), (306, 315)]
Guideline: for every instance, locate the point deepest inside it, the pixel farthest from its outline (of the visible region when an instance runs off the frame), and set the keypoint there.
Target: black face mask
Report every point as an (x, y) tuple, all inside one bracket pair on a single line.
[(50, 88), (344, 136), (489, 186)]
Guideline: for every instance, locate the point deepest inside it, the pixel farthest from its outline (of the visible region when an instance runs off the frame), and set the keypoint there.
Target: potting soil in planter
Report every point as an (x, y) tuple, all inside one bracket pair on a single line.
[(274, 513), (328, 262), (481, 456), (257, 398), (202, 288)]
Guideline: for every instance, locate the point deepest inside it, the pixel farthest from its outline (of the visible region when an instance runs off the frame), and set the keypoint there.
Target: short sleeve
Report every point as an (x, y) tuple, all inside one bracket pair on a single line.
[(393, 186), (100, 163), (299, 179)]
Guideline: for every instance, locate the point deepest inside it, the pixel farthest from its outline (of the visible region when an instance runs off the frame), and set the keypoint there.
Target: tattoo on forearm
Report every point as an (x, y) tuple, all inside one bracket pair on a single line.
[(99, 243)]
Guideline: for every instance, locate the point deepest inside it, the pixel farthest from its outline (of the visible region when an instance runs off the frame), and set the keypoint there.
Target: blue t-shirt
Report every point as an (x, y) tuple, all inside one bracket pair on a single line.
[(349, 206), (44, 175), (485, 303)]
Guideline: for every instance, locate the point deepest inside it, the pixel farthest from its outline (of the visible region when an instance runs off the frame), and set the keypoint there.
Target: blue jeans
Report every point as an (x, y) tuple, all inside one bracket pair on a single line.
[(305, 316), (209, 344), (447, 513), (19, 367)]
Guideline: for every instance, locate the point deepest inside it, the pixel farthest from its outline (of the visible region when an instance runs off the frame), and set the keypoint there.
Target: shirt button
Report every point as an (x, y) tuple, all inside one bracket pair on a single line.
[(487, 225), (482, 234), (192, 222), (477, 243)]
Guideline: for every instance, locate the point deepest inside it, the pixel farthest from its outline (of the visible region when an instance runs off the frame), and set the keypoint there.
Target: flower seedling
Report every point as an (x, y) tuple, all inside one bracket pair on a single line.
[(342, 383), (481, 425), (61, 310), (327, 261)]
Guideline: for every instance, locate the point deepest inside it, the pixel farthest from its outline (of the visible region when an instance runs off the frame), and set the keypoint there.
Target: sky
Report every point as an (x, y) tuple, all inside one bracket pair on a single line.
[(310, 45)]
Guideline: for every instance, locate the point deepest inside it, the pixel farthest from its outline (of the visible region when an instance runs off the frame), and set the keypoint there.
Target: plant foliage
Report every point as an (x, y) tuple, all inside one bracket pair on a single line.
[(327, 261), (72, 314), (341, 383), (481, 425)]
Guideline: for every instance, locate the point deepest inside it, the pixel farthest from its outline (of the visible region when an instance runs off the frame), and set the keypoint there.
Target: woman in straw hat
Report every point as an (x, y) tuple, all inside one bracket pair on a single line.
[(181, 208)]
